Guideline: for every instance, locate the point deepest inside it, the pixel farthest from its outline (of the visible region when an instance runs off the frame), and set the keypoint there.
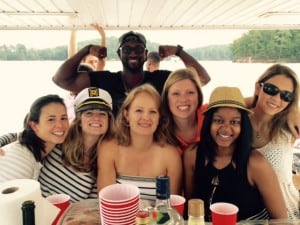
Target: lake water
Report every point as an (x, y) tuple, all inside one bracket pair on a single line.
[(24, 81)]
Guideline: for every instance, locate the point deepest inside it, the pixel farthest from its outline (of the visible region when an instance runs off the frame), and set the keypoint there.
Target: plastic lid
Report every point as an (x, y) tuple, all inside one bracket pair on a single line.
[(196, 207), (28, 204)]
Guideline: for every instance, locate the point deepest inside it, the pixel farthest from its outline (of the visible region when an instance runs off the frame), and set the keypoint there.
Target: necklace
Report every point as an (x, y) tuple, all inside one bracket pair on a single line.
[(256, 131), (257, 135), (215, 183)]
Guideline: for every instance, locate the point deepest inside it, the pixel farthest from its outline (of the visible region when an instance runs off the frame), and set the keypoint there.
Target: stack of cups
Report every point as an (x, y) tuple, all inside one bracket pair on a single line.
[(119, 204)]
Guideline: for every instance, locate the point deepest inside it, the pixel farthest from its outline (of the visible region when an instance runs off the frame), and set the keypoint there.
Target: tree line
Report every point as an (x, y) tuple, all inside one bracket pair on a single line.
[(267, 46), (253, 46)]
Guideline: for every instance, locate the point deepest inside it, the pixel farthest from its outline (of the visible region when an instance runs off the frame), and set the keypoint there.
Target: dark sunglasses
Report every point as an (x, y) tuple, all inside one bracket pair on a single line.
[(271, 89), (127, 50)]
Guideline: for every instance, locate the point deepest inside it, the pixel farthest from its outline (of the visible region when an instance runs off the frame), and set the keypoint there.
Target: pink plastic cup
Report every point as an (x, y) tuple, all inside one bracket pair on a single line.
[(116, 206), (177, 202), (119, 193), (61, 201), (224, 213)]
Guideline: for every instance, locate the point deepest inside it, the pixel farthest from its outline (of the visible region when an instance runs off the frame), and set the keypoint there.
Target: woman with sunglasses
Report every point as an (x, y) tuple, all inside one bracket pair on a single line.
[(276, 96)]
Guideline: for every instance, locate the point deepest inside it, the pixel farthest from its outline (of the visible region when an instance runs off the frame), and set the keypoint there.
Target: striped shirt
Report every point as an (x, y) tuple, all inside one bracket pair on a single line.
[(56, 178), (146, 185), (8, 138), (18, 163)]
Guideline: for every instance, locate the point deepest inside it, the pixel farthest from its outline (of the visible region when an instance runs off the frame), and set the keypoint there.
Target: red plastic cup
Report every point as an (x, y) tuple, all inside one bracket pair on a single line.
[(177, 202), (61, 201), (224, 213)]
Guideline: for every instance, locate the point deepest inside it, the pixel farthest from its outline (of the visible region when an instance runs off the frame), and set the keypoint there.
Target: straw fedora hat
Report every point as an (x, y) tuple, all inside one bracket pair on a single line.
[(227, 97)]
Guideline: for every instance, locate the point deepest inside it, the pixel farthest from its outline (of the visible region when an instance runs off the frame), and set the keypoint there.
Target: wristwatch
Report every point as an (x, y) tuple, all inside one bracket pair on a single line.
[(179, 50)]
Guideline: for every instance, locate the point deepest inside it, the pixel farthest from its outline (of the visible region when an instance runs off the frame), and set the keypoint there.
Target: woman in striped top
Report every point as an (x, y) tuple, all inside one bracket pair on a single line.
[(72, 170), (139, 152), (45, 126)]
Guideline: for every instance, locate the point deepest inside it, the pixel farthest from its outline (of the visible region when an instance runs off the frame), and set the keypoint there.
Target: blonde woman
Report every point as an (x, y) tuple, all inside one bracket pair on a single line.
[(182, 103), (276, 96), (139, 152), (72, 169)]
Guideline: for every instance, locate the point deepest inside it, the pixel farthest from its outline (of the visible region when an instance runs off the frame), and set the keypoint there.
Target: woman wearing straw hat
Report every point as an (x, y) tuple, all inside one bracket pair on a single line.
[(225, 168)]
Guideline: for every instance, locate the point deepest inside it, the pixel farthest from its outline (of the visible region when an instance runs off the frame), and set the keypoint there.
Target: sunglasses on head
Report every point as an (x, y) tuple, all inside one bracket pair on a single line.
[(271, 89), (138, 49)]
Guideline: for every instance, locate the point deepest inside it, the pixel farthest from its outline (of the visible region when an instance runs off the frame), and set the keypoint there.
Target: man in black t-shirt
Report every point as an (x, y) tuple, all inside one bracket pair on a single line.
[(132, 52)]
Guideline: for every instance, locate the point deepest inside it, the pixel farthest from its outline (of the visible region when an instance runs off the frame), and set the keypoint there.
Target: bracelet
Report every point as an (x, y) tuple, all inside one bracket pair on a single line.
[(179, 50)]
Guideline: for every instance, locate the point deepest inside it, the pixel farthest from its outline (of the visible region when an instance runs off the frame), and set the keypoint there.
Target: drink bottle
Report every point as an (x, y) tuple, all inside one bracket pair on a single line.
[(163, 213), (196, 212), (28, 212)]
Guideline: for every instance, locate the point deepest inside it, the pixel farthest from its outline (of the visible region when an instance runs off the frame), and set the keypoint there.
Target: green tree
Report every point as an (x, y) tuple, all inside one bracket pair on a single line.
[(267, 46)]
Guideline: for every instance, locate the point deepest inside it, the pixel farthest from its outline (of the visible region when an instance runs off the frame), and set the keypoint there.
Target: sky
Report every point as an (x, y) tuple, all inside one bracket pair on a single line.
[(186, 38)]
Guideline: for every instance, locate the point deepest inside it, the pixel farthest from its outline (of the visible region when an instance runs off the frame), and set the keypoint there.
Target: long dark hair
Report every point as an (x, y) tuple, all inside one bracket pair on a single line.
[(28, 137), (243, 145)]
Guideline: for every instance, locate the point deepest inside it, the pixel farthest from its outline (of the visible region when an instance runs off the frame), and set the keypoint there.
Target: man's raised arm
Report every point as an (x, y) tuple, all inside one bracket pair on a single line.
[(188, 60), (67, 76)]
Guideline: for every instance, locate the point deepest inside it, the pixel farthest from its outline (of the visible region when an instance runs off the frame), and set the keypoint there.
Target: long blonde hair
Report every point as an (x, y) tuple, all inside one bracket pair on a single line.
[(279, 121), (122, 127), (73, 147)]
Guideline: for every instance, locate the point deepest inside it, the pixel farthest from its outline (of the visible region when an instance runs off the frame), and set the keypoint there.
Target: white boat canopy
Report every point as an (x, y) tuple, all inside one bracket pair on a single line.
[(149, 14)]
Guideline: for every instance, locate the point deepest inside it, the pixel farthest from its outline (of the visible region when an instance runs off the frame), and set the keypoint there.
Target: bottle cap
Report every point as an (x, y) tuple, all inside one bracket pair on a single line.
[(28, 204), (196, 207), (162, 187)]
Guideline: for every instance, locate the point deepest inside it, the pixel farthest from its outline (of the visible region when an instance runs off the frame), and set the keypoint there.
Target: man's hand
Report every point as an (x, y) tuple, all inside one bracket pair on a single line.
[(99, 51), (99, 28), (166, 51), (293, 122), (1, 151)]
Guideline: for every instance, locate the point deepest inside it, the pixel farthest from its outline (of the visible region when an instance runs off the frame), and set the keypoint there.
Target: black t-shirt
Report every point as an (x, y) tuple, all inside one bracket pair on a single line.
[(113, 84)]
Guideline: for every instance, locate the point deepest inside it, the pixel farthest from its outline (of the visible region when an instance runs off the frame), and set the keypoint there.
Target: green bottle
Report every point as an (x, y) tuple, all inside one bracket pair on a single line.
[(28, 212)]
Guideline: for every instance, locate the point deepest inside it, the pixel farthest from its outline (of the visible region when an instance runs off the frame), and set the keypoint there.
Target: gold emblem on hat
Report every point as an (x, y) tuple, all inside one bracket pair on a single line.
[(94, 92)]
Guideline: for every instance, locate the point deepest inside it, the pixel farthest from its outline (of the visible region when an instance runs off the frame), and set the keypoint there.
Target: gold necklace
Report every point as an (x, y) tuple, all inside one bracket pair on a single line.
[(257, 135), (256, 132)]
